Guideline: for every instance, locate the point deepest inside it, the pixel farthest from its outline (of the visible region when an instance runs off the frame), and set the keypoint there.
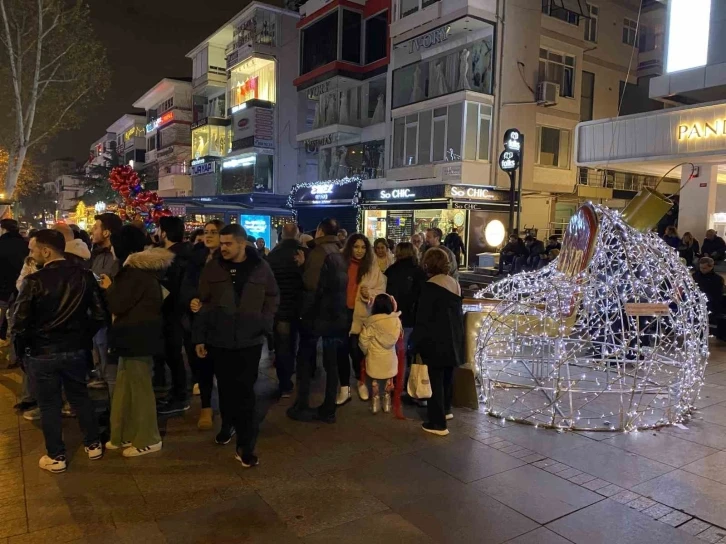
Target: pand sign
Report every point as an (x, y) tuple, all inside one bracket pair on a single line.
[(397, 194), (697, 130), (472, 192)]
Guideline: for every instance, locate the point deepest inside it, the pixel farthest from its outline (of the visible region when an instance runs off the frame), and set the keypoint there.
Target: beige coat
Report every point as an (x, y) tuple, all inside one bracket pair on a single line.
[(378, 341), (375, 280)]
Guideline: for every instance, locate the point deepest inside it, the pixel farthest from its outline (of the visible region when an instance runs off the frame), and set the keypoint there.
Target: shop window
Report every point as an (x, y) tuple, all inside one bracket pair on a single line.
[(216, 107), (442, 74), (558, 68), (253, 79), (350, 48), (553, 147), (209, 140), (478, 122), (376, 36), (259, 28), (319, 43), (247, 173), (429, 136), (408, 7), (591, 23), (364, 160), (630, 32)]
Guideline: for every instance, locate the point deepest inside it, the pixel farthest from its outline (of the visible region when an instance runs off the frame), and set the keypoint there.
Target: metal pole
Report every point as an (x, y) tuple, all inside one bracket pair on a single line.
[(519, 183), (511, 203)]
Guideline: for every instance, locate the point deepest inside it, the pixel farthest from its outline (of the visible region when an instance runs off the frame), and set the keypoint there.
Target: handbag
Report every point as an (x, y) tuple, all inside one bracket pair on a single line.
[(419, 386)]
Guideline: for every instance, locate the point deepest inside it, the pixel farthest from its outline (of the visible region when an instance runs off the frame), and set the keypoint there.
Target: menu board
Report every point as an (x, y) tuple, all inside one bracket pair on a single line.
[(399, 225)]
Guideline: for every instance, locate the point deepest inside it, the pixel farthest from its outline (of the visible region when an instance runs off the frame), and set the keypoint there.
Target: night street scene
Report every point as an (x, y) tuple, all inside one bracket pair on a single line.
[(363, 271)]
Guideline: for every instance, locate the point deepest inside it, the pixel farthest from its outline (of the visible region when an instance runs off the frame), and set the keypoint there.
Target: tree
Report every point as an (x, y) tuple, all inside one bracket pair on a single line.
[(55, 69), (28, 177)]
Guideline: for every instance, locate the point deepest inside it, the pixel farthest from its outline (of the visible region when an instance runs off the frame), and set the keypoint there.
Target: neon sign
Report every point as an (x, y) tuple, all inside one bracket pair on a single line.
[(159, 121), (471, 192), (398, 193)]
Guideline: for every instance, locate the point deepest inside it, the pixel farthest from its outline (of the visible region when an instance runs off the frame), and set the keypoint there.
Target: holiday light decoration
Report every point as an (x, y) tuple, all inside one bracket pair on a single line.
[(613, 335), (138, 203), (329, 187)]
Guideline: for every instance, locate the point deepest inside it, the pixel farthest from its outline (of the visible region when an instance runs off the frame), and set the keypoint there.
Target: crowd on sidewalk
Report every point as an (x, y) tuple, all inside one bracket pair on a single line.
[(115, 309)]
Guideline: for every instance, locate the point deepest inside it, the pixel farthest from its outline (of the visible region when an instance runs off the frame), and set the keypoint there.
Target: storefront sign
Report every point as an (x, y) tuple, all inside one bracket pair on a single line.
[(254, 127), (473, 193), (204, 168), (326, 193), (312, 145), (315, 91), (397, 194), (696, 131), (469, 206), (509, 160), (160, 121), (134, 132), (434, 37)]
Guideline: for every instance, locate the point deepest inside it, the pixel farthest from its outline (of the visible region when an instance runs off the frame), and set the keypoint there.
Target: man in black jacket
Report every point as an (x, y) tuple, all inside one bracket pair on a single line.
[(454, 242), (171, 233), (58, 310), (711, 284), (713, 246), (323, 315), (239, 298), (289, 278), (13, 250)]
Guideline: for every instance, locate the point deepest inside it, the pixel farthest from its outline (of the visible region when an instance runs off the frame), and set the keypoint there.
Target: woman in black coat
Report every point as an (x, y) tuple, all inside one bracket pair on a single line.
[(438, 336), (404, 280)]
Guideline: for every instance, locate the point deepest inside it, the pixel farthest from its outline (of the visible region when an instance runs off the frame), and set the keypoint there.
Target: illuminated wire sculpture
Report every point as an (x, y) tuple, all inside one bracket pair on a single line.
[(613, 335)]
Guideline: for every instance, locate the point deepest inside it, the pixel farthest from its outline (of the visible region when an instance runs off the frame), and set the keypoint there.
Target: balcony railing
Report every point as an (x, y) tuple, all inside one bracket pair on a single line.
[(610, 179)]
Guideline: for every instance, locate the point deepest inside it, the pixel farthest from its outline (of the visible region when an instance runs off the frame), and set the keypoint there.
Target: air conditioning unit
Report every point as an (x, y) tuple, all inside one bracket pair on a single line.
[(547, 93)]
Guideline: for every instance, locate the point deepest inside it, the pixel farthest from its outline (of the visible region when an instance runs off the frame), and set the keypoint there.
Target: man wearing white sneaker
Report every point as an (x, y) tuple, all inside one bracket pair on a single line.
[(58, 310)]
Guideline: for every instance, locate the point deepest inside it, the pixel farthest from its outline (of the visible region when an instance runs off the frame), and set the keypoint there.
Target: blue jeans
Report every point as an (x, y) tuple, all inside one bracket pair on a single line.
[(50, 374)]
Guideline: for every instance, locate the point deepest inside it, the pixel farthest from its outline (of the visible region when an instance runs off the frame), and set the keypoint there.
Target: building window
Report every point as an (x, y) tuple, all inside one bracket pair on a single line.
[(558, 68), (591, 24), (166, 105), (350, 47), (364, 160), (478, 127), (408, 7), (440, 75), (586, 96), (376, 36), (428, 136), (550, 7), (151, 143), (254, 79), (319, 43), (209, 140), (553, 147), (630, 31)]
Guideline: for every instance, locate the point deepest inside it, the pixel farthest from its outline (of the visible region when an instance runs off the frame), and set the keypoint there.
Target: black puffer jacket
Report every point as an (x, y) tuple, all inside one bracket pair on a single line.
[(405, 279), (13, 250), (173, 280), (135, 299), (228, 323), (58, 309), (325, 277), (289, 278)]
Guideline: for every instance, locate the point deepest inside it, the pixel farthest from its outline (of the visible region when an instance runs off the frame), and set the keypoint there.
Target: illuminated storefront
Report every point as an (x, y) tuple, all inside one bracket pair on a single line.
[(247, 173), (313, 202), (210, 138), (252, 79), (400, 213)]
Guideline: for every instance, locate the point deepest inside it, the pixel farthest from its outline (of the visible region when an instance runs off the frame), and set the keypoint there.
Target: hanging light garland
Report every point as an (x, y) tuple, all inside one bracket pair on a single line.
[(568, 351)]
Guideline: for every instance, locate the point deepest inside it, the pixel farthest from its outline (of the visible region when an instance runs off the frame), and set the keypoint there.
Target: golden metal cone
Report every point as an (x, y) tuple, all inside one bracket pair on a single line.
[(646, 209)]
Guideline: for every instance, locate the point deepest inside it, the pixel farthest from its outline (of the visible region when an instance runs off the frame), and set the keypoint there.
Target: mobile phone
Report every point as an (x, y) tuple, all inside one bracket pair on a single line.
[(98, 278)]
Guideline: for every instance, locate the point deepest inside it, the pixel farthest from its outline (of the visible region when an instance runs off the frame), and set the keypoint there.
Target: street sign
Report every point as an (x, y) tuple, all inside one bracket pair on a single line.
[(509, 160)]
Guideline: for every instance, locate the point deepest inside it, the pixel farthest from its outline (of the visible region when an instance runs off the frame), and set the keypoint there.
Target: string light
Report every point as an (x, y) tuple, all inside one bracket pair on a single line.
[(599, 368)]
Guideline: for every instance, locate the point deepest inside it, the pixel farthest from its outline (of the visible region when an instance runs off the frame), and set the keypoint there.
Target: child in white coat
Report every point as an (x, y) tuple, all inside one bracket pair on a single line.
[(378, 338)]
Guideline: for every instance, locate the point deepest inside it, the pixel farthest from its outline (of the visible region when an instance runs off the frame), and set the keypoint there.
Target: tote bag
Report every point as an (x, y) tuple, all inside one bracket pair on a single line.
[(419, 386)]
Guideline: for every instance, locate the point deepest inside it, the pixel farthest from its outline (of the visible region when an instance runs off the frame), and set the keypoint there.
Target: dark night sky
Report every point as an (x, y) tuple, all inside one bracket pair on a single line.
[(145, 40)]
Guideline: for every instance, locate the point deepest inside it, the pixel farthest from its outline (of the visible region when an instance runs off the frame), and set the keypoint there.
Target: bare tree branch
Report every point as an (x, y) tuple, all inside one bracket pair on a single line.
[(59, 57), (13, 67), (63, 113)]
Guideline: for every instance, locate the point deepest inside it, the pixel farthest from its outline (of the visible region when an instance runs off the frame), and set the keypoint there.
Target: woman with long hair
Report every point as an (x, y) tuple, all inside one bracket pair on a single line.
[(384, 257), (671, 238), (365, 281), (202, 370), (689, 248)]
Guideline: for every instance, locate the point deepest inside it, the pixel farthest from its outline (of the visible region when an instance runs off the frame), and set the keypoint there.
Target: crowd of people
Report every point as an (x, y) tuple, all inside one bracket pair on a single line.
[(520, 255), (116, 309)]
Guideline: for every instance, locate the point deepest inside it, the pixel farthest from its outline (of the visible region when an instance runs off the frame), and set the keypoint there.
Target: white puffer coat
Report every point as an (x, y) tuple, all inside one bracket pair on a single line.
[(378, 341)]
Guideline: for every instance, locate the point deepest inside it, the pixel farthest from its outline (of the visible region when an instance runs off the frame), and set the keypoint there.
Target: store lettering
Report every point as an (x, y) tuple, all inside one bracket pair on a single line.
[(702, 130), (321, 191), (315, 92), (434, 37), (397, 193), (471, 192)]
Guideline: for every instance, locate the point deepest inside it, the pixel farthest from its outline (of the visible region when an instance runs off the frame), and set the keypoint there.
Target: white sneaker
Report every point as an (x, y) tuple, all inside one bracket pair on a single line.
[(449, 416), (94, 451), (136, 452), (363, 391), (343, 396), (53, 465), (195, 389), (32, 415), (111, 446)]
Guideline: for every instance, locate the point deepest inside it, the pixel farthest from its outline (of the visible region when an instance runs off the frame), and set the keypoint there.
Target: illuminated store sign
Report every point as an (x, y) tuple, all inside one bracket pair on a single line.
[(134, 132), (434, 37), (204, 168), (702, 130), (397, 194), (159, 121), (474, 193)]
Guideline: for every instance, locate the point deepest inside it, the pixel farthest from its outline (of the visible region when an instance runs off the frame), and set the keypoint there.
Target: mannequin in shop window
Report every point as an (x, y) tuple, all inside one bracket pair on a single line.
[(464, 70)]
